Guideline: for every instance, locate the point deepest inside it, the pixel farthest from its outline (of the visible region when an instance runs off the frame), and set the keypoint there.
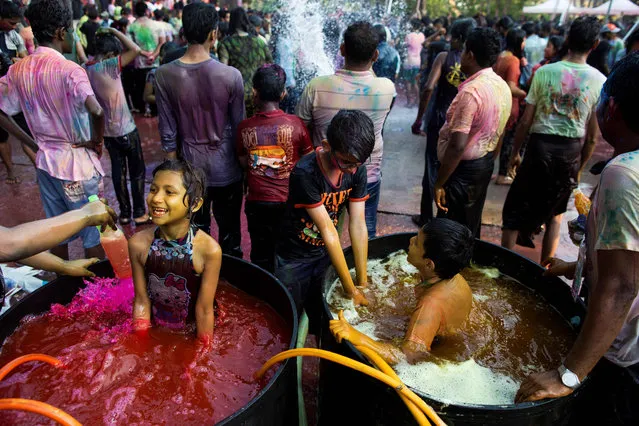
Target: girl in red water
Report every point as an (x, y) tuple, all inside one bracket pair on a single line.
[(175, 266)]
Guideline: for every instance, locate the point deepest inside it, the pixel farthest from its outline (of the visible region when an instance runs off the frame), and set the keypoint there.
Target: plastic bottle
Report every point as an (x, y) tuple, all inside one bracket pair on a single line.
[(582, 203), (116, 248), (577, 226)]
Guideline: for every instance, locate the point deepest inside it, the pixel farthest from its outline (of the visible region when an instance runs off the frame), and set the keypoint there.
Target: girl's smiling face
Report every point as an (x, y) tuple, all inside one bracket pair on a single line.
[(167, 200)]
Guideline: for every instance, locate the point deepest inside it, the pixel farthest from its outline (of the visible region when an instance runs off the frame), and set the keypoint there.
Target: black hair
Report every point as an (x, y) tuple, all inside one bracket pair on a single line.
[(529, 28), (140, 9), (449, 245), (352, 132), (439, 21), (546, 28), (505, 23), (381, 32), (484, 43), (269, 81), (556, 41), (240, 21), (622, 85), (583, 34), (92, 12), (514, 39), (198, 20), (193, 179), (255, 20), (125, 11), (106, 43), (360, 42), (461, 28), (169, 52), (416, 24), (631, 40), (158, 14), (9, 10), (48, 16)]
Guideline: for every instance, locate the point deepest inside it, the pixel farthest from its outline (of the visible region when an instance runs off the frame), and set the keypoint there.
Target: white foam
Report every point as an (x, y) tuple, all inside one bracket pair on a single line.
[(466, 382)]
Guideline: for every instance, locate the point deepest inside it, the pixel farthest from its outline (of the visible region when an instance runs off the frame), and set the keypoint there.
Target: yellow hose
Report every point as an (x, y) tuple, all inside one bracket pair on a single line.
[(30, 405), (26, 358), (355, 365), (39, 407)]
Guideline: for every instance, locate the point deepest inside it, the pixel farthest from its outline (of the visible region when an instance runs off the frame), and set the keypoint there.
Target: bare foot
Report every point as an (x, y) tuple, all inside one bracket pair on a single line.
[(12, 180)]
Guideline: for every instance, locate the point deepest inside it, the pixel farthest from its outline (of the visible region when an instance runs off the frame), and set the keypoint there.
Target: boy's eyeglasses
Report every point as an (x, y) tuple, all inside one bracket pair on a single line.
[(347, 165)]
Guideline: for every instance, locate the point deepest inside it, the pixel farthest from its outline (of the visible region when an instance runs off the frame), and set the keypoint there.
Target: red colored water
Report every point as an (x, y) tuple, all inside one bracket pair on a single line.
[(112, 376)]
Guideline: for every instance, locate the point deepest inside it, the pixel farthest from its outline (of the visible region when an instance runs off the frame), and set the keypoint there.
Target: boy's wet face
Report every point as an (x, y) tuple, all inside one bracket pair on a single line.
[(416, 250), (166, 200)]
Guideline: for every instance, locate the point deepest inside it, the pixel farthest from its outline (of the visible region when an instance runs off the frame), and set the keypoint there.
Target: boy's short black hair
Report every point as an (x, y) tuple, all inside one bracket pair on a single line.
[(360, 42), (9, 10), (92, 12), (106, 43), (125, 11), (198, 20), (485, 45), (193, 179), (583, 34), (140, 9), (269, 81), (623, 85), (48, 16), (381, 32), (449, 245), (631, 40), (352, 132), (461, 28)]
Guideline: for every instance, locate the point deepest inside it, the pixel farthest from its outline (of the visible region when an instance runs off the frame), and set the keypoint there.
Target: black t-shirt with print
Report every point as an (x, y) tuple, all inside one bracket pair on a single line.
[(308, 188)]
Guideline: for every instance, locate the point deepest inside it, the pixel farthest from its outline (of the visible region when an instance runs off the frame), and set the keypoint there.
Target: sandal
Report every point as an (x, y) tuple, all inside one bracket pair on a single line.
[(12, 180), (125, 220), (147, 221)]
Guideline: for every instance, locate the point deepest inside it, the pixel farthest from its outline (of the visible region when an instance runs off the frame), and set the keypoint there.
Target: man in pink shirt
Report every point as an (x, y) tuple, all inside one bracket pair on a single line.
[(61, 110), (470, 136)]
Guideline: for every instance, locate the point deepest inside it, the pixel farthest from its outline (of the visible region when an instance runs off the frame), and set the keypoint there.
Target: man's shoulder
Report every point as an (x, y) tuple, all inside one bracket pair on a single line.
[(627, 163), (306, 166), (384, 85)]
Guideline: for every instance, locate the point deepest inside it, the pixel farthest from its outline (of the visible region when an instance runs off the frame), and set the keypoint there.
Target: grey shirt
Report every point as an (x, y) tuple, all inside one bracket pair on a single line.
[(199, 109)]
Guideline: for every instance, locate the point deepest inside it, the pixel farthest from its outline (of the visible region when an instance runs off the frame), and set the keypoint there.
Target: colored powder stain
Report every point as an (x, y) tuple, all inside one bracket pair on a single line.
[(113, 377)]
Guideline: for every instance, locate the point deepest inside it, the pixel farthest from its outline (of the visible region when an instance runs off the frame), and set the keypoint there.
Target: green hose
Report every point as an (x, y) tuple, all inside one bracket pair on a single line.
[(302, 332)]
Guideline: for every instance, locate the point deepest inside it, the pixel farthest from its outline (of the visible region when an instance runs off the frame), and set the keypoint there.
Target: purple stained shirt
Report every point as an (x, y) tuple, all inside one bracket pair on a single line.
[(200, 105), (51, 92), (105, 78)]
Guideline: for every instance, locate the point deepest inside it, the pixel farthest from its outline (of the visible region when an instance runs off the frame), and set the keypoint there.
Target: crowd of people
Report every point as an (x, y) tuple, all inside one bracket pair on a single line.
[(533, 96)]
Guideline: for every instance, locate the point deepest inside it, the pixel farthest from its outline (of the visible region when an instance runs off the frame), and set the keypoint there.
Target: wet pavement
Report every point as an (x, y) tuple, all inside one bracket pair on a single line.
[(400, 193)]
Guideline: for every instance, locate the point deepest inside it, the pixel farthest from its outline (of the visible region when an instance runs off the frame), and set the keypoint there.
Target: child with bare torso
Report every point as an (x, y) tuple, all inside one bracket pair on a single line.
[(441, 249)]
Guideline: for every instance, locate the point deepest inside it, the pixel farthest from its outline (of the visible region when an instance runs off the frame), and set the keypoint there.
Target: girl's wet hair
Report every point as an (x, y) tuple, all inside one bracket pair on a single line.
[(193, 180)]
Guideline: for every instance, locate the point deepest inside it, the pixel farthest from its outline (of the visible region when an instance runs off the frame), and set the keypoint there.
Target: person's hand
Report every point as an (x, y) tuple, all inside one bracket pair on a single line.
[(440, 198), (541, 386), (100, 214), (558, 268), (342, 330), (515, 162), (358, 298), (416, 128), (78, 268), (524, 61), (94, 144)]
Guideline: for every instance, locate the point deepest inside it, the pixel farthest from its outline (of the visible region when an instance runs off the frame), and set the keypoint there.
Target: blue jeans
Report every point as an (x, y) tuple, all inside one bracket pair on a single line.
[(60, 196), (370, 214)]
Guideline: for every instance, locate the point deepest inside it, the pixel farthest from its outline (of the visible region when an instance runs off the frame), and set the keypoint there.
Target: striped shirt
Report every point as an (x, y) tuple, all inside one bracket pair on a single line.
[(324, 96)]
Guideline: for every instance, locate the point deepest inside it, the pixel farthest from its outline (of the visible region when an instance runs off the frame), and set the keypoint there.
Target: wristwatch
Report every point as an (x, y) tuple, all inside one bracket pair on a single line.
[(568, 378)]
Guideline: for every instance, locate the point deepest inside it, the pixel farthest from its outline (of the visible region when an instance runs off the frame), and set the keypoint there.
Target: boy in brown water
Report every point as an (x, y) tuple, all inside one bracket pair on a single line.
[(441, 249)]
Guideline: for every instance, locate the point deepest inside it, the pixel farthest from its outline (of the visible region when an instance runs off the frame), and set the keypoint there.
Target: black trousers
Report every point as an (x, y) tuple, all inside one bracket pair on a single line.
[(431, 166), (466, 192), (138, 81), (263, 224), (126, 153), (226, 202)]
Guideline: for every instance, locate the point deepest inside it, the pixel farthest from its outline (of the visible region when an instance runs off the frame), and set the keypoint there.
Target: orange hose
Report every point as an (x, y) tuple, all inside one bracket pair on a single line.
[(39, 407), (355, 365), (26, 358)]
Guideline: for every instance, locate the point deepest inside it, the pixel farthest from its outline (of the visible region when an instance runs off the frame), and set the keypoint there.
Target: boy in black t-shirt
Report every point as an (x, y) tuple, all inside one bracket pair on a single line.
[(321, 185)]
